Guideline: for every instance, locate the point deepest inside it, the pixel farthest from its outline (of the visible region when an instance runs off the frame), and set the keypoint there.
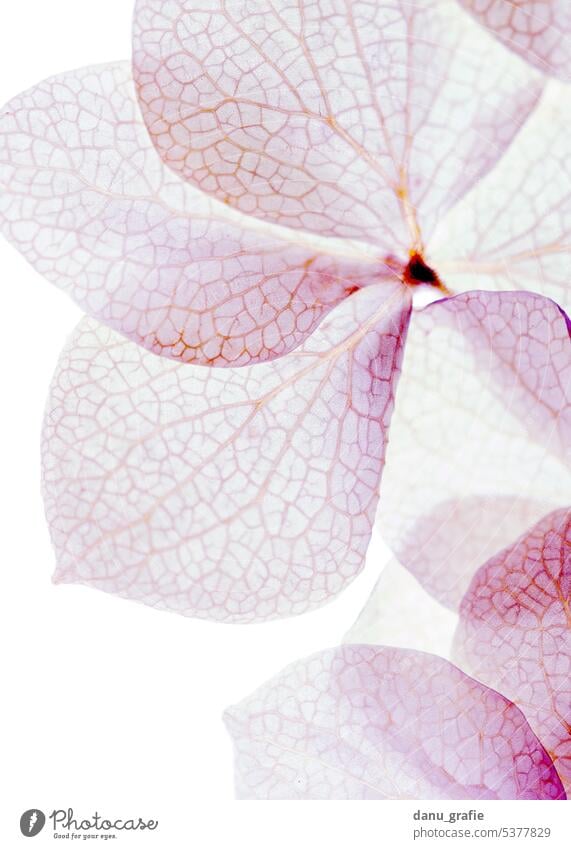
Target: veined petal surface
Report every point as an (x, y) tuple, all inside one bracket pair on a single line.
[(370, 722), (89, 203), (513, 229), (359, 119), (539, 30), (229, 494), (480, 441), (515, 631)]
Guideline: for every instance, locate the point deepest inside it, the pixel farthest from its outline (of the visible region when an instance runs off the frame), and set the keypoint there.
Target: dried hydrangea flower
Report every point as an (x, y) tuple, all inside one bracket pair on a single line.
[(336, 169), (370, 722)]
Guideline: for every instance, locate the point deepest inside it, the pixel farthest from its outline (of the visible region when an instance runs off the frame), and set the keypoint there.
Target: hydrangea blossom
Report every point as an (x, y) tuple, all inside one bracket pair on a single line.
[(267, 196)]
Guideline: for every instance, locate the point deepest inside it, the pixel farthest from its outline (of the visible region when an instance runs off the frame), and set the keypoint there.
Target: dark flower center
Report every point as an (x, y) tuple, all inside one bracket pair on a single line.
[(417, 272)]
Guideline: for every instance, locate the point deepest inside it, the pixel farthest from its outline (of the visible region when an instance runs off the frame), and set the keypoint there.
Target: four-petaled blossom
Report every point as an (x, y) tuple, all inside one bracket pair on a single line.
[(279, 180)]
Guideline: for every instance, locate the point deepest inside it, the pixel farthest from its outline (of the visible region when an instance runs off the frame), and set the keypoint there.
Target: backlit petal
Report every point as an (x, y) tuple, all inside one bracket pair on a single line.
[(400, 613), (364, 120), (480, 440), (90, 204), (369, 722), (539, 30), (513, 230), (230, 494)]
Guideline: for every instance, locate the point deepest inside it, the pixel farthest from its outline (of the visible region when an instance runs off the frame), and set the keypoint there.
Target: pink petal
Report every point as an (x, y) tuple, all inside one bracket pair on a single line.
[(515, 631), (236, 494), (539, 30), (369, 722), (361, 120), (513, 230), (480, 436), (90, 204)]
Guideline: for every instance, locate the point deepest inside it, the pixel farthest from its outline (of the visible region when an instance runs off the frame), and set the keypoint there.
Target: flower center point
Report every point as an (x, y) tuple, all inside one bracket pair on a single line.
[(418, 272)]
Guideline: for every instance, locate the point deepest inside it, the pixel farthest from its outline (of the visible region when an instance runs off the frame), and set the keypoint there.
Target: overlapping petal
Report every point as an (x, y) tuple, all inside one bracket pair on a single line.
[(369, 722), (230, 494), (539, 30), (362, 120), (480, 442), (515, 631), (90, 204), (513, 230)]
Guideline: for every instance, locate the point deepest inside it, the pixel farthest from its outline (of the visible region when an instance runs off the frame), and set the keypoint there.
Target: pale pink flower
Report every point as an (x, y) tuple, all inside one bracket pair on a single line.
[(281, 179)]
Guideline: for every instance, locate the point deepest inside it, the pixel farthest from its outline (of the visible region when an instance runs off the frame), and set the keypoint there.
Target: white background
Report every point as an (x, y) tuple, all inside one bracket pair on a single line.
[(107, 704)]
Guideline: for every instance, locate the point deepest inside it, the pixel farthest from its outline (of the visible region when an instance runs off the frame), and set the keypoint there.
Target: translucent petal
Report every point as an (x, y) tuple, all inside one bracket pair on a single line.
[(363, 120), (515, 631), (89, 203), (539, 30), (513, 230), (230, 494), (369, 722), (480, 440), (400, 613)]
